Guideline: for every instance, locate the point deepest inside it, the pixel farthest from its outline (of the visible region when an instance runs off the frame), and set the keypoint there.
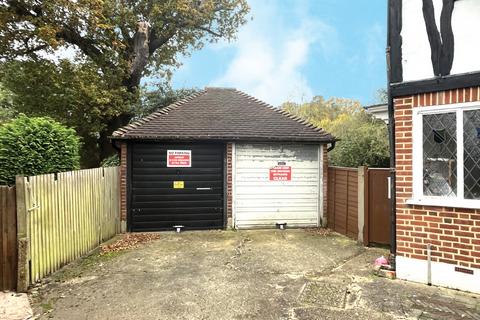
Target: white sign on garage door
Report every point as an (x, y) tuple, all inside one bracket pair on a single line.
[(260, 200)]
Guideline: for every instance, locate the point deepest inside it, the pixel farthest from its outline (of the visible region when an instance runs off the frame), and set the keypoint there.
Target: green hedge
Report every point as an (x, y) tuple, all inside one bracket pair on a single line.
[(32, 146), (111, 161)]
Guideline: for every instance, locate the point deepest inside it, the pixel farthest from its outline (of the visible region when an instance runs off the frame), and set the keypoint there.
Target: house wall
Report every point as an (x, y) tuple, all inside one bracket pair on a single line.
[(454, 233), (416, 51), (324, 160)]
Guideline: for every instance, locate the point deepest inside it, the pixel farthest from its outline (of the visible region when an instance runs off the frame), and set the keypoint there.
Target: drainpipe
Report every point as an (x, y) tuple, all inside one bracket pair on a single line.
[(391, 136)]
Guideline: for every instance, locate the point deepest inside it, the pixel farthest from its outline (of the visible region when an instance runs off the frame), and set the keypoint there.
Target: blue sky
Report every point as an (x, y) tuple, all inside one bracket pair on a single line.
[(293, 50)]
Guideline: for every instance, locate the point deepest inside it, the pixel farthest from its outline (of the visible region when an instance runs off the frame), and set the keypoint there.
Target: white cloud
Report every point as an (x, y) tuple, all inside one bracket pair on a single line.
[(271, 52), (375, 46)]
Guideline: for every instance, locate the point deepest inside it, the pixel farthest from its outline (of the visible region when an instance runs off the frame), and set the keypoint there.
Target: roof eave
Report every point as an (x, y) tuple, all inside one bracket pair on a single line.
[(222, 138)]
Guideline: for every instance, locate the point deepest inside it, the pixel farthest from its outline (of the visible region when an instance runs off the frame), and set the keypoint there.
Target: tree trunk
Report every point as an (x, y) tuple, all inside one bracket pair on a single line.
[(90, 153), (140, 53), (106, 147), (138, 63)]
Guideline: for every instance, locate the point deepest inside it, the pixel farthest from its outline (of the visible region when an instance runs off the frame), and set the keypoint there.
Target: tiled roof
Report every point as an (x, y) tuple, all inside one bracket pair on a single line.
[(222, 114)]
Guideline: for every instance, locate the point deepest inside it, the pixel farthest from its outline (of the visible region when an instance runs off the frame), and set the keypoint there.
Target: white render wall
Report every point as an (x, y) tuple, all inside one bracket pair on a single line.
[(442, 274), (259, 202), (416, 51)]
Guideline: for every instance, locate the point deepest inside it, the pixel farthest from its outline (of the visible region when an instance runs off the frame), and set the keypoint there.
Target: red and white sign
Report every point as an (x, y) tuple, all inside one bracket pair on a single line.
[(281, 173), (179, 158)]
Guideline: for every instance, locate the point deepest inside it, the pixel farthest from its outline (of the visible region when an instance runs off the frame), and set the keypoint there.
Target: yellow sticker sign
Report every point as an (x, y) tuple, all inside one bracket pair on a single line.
[(178, 184)]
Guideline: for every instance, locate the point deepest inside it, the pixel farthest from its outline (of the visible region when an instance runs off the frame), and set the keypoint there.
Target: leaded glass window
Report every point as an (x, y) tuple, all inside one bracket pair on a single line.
[(446, 156), (471, 154), (440, 155)]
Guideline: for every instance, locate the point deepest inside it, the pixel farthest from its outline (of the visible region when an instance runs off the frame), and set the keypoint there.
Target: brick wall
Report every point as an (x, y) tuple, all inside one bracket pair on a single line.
[(453, 232), (229, 184), (325, 184), (123, 183)]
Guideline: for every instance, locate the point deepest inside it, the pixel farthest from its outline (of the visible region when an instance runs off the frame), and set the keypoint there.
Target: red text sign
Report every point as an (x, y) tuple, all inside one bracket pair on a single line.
[(179, 158), (281, 173)]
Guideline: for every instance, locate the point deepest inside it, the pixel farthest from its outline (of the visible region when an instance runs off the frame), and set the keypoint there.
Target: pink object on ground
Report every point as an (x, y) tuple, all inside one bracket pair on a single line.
[(382, 261)]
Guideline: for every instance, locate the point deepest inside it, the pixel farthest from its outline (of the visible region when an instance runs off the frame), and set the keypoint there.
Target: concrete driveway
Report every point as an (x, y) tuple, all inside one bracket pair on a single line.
[(269, 274)]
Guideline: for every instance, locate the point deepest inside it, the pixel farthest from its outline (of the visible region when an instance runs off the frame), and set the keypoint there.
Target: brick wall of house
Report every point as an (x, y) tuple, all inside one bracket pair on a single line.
[(123, 184), (229, 184), (325, 184), (454, 233)]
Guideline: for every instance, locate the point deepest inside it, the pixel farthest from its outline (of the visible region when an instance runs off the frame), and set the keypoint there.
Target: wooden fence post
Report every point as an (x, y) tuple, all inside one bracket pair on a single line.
[(22, 236), (362, 213)]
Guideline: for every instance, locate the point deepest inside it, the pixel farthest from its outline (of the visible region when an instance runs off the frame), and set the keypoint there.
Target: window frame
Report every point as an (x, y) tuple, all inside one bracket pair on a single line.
[(418, 197)]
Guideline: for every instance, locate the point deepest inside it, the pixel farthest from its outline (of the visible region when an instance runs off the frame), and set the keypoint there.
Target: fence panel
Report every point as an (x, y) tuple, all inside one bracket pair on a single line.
[(342, 208), (8, 239), (68, 215)]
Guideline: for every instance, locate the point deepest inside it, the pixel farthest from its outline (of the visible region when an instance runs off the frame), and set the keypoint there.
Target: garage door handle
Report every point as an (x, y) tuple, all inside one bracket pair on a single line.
[(204, 188)]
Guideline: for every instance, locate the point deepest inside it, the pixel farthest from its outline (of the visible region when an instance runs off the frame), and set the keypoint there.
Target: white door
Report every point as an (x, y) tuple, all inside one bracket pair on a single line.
[(277, 183)]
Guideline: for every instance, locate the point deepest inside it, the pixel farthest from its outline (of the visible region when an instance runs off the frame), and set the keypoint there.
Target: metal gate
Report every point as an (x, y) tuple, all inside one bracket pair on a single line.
[(164, 194)]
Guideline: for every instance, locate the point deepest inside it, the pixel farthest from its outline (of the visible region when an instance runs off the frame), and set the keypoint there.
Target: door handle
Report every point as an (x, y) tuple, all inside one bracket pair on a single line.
[(204, 188)]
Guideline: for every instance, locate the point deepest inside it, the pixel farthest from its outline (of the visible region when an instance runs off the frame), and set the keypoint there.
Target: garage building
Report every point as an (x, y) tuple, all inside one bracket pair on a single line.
[(218, 159)]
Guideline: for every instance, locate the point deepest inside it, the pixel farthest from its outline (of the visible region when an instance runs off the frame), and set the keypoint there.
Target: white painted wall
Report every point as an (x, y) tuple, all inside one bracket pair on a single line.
[(416, 51), (443, 274), (259, 202)]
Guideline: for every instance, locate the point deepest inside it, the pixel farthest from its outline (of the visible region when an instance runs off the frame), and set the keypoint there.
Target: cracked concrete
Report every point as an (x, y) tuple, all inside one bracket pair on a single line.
[(263, 274)]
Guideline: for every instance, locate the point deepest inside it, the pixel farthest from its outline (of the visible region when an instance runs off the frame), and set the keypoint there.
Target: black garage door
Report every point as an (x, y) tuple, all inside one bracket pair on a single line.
[(163, 196)]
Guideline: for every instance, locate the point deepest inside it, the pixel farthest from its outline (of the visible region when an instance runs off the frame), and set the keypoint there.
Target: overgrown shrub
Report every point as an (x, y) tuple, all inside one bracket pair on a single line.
[(32, 146), (363, 139), (111, 161)]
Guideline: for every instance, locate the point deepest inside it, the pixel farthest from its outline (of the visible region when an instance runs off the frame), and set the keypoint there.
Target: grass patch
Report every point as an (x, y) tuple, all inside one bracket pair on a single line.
[(83, 265), (47, 306)]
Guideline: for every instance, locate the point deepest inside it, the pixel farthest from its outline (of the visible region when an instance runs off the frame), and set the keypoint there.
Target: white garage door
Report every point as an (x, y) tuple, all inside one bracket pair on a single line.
[(277, 183)]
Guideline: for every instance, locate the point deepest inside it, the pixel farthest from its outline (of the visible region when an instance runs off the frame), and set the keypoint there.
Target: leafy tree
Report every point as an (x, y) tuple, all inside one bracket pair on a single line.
[(74, 94), (115, 44), (162, 96), (6, 110), (77, 96), (381, 96), (111, 161), (363, 139), (32, 146)]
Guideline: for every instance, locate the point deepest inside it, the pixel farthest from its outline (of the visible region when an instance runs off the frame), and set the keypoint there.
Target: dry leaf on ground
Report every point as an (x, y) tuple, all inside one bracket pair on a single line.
[(129, 241)]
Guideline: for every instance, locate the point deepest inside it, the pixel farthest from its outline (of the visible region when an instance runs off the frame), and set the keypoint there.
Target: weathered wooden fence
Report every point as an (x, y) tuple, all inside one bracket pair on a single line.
[(65, 215), (8, 239), (358, 203), (343, 200)]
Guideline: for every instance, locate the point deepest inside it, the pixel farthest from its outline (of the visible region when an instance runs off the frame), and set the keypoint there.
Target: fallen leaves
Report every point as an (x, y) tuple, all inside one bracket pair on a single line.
[(319, 231), (129, 241)]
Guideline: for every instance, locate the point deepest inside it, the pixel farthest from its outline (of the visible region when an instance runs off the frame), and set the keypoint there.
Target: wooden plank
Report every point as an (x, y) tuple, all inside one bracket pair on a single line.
[(3, 238), (31, 226), (11, 238), (69, 216)]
